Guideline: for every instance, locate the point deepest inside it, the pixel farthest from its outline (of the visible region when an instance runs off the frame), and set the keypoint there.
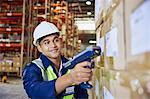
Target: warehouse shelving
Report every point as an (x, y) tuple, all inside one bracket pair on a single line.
[(72, 36), (65, 19), (57, 13), (12, 44)]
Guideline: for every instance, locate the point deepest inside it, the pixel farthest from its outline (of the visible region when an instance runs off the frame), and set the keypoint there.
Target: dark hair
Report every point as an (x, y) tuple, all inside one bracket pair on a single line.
[(40, 39)]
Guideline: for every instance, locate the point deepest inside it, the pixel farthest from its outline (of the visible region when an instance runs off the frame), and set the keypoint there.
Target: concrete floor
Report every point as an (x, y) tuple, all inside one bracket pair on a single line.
[(13, 89)]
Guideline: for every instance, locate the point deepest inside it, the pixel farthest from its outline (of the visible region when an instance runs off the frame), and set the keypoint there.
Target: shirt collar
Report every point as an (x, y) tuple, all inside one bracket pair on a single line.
[(46, 62)]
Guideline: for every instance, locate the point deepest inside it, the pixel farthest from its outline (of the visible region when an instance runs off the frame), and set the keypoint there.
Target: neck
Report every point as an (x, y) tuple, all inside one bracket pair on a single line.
[(56, 61)]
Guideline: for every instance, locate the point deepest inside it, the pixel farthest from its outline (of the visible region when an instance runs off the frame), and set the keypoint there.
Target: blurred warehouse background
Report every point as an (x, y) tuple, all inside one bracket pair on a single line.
[(120, 27)]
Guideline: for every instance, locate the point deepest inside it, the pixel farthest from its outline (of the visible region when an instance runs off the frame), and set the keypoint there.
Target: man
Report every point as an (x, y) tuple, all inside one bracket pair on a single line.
[(43, 78)]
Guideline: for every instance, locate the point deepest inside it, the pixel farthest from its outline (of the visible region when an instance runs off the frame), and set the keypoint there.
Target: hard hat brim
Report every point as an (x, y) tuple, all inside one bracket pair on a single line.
[(40, 39)]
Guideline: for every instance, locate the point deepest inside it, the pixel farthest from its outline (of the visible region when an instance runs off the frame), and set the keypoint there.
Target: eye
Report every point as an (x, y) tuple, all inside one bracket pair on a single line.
[(56, 40), (46, 42)]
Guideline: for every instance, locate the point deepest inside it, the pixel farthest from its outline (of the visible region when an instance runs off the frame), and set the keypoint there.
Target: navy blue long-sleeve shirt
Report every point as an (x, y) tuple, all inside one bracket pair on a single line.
[(37, 88)]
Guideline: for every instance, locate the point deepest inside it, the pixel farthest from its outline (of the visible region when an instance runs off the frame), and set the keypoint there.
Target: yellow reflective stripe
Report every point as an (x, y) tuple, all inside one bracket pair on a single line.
[(72, 95), (50, 74), (68, 71), (68, 97)]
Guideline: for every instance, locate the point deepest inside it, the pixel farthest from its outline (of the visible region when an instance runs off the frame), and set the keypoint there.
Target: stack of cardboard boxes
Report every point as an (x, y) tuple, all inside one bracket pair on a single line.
[(10, 64), (123, 70)]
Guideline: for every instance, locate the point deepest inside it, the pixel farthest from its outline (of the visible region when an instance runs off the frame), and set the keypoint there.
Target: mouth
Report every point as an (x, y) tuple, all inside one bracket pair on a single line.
[(54, 50)]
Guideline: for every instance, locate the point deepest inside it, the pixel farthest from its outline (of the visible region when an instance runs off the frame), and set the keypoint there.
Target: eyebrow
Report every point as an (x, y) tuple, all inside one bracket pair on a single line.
[(53, 39)]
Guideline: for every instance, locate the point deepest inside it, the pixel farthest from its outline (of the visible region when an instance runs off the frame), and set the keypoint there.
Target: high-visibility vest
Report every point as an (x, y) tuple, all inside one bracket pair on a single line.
[(48, 74)]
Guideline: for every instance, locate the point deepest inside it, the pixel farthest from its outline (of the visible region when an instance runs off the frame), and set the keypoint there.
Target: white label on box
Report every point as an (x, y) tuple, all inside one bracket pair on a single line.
[(111, 42), (140, 29), (107, 94)]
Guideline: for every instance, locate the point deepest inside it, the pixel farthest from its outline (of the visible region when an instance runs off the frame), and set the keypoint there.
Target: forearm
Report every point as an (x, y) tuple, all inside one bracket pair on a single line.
[(62, 82)]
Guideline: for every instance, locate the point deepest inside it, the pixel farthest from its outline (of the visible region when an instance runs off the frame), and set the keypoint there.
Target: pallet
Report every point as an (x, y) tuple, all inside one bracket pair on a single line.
[(5, 70)]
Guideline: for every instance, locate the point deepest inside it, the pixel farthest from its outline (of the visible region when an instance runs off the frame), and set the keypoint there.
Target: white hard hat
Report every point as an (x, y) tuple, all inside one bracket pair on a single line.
[(43, 29)]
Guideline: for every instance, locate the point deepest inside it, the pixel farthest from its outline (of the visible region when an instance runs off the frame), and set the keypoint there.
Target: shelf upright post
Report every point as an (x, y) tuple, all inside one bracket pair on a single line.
[(30, 30), (22, 37)]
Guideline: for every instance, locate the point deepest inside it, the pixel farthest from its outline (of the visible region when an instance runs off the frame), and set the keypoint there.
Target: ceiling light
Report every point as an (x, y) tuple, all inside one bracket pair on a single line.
[(92, 42), (79, 41), (89, 13), (63, 11), (38, 4), (88, 2)]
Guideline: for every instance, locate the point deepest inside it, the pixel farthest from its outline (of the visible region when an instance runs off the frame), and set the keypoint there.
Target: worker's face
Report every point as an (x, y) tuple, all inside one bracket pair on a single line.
[(51, 46)]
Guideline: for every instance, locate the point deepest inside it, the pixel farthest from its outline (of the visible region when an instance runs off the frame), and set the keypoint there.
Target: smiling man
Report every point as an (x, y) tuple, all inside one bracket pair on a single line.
[(43, 79)]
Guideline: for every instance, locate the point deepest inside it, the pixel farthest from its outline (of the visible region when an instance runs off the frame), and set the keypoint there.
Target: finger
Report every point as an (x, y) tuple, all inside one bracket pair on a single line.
[(84, 75), (85, 70), (84, 79), (83, 64)]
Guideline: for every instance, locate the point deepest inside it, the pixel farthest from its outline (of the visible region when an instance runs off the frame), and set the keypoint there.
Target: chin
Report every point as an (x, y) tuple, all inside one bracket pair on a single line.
[(55, 56)]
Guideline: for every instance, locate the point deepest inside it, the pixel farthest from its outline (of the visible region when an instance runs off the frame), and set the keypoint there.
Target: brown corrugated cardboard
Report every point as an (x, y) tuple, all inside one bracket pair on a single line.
[(125, 76), (135, 61), (114, 40), (99, 11), (127, 85), (98, 84), (118, 23)]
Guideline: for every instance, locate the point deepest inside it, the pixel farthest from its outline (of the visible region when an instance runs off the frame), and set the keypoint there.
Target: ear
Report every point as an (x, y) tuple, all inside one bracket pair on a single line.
[(61, 41), (39, 48)]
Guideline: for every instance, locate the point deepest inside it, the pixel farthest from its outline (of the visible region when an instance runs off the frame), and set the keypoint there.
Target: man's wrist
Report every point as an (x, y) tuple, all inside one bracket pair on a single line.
[(69, 78)]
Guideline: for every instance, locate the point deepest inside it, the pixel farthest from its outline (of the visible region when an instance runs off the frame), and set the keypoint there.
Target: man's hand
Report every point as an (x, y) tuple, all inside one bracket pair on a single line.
[(76, 76), (80, 73)]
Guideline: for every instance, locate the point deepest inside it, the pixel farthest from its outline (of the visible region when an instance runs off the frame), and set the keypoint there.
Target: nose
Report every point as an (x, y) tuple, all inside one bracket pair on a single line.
[(52, 44)]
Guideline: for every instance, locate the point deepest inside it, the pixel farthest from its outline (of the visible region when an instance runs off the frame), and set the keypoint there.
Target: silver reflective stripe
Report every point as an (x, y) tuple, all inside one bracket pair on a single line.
[(39, 63)]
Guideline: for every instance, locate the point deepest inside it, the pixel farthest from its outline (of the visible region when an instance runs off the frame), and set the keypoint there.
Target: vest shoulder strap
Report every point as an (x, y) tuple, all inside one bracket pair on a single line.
[(39, 63)]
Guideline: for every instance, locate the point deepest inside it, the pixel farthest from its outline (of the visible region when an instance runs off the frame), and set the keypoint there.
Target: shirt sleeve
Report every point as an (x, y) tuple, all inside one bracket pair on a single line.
[(34, 85), (80, 93)]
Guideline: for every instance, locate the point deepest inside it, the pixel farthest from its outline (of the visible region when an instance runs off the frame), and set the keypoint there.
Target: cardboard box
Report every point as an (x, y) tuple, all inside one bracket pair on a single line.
[(97, 90), (137, 35), (99, 11), (115, 41), (126, 75), (8, 61), (118, 22), (100, 42), (1, 56), (2, 63), (127, 85), (110, 3), (16, 62)]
